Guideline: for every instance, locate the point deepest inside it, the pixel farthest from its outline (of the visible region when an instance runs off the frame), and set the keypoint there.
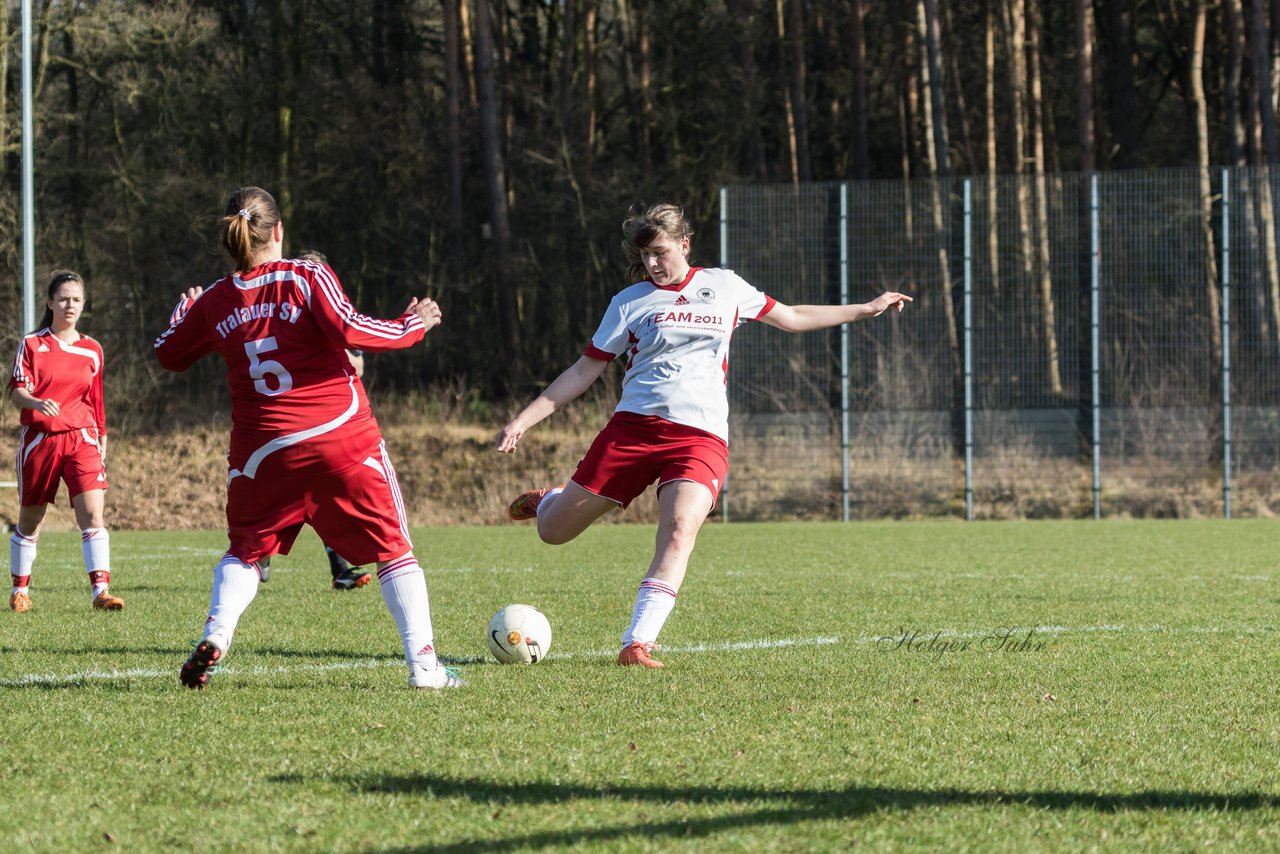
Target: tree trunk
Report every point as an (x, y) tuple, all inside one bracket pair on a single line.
[(1237, 146), (932, 69), (1124, 112), (1037, 111), (788, 99), (453, 141), (1260, 43), (468, 52), (751, 152), (956, 79), (859, 160), (934, 113), (1015, 25), (992, 158), (1084, 94), (590, 13), (1200, 132), (495, 182), (1266, 156), (799, 87)]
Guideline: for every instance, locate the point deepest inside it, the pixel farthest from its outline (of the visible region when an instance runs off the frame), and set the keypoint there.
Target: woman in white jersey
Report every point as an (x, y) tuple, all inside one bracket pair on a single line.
[(671, 426)]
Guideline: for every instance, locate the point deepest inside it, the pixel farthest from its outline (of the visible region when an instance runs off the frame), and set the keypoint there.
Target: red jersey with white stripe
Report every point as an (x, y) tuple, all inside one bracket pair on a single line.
[(676, 341), (283, 329), (68, 372)]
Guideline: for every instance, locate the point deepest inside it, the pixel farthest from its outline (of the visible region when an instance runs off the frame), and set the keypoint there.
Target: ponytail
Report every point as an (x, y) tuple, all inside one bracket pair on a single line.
[(247, 225)]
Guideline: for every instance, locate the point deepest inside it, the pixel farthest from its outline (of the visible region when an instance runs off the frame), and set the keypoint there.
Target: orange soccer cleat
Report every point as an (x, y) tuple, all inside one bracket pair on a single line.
[(637, 654), (526, 506), (19, 601), (104, 601)]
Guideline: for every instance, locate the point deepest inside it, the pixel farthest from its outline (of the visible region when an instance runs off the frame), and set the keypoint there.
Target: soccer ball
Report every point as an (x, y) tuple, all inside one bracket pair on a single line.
[(519, 634)]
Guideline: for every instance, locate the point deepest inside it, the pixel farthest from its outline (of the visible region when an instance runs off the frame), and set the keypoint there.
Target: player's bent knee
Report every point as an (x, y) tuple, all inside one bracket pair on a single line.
[(555, 535)]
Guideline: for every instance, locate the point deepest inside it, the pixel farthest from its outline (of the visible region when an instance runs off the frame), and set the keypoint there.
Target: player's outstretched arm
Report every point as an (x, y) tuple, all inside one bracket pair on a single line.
[(806, 318), (566, 387)]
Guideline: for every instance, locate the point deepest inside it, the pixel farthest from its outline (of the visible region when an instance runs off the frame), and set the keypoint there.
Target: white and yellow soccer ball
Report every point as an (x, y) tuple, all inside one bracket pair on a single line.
[(519, 634)]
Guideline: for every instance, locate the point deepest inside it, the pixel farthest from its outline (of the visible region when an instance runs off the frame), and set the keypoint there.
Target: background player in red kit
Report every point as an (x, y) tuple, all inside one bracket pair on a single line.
[(57, 383), (672, 423), (305, 447)]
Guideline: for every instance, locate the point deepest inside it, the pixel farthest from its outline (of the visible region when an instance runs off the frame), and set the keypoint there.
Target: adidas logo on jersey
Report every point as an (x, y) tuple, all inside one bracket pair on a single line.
[(43, 348), (680, 300)]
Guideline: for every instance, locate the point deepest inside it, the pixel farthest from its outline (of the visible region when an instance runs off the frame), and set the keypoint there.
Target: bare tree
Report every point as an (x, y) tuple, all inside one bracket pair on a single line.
[(799, 86), (495, 181), (1231, 94), (1200, 134), (1044, 268), (859, 163), (991, 151), (1084, 86), (455, 253)]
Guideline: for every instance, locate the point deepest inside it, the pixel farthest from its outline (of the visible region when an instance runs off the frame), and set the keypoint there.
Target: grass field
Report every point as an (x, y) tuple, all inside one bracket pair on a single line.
[(1095, 686)]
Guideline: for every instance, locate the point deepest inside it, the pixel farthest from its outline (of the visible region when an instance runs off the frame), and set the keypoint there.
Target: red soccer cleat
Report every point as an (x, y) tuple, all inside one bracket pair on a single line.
[(637, 655), (200, 666)]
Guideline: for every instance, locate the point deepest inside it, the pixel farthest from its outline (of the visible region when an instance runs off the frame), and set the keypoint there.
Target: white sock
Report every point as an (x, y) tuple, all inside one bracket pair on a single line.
[(551, 493), (22, 553), (95, 544), (654, 601), (404, 590), (235, 583)]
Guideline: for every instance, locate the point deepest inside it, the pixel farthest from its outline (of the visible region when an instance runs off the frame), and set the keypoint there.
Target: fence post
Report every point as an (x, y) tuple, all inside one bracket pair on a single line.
[(724, 262), (844, 353), (1226, 345), (1095, 345), (968, 352)]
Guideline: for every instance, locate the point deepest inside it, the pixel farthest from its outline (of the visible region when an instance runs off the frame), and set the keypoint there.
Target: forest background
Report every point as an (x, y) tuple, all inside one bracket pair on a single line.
[(485, 151)]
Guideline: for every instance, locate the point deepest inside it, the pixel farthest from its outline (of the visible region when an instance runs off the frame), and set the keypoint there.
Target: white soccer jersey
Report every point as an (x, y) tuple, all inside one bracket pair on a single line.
[(676, 342)]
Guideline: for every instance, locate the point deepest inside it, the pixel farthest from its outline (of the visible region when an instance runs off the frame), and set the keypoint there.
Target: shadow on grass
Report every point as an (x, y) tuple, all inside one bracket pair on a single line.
[(765, 807)]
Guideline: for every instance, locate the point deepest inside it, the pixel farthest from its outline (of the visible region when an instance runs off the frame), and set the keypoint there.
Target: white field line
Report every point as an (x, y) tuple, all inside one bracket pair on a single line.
[(33, 680)]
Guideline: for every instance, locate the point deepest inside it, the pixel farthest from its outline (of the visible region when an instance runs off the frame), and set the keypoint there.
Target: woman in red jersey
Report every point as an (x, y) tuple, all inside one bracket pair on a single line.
[(57, 383), (305, 447), (672, 424)]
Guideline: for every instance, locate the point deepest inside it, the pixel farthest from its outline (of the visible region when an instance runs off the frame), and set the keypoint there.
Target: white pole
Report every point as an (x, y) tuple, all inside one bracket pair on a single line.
[(724, 262), (28, 182), (844, 353), (1226, 346), (1095, 345), (968, 352)]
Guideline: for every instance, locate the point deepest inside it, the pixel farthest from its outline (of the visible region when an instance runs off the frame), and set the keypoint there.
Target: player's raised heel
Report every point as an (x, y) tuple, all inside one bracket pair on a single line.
[(19, 602), (104, 601), (202, 664), (636, 654), (440, 677), (526, 505), (350, 579)]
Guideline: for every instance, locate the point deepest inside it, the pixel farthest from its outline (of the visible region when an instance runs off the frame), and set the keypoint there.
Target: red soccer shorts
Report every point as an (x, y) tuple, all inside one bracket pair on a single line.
[(44, 459), (357, 510), (633, 451)]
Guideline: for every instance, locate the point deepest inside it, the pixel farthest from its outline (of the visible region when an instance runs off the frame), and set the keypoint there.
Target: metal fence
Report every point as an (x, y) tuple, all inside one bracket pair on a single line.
[(1063, 357)]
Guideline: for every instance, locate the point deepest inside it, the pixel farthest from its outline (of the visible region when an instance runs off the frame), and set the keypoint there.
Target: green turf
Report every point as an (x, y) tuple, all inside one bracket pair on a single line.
[(1137, 711)]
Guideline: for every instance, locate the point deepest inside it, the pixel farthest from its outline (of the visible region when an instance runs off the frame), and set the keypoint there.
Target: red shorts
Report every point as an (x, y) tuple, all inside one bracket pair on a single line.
[(633, 451), (44, 459), (356, 510)]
